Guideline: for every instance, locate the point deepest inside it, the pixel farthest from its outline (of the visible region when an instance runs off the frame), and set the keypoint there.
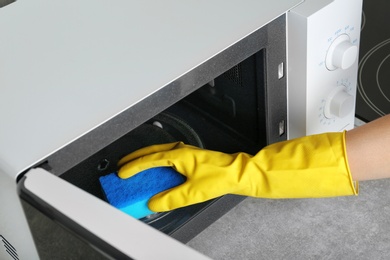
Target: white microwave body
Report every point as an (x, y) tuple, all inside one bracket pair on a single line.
[(72, 72)]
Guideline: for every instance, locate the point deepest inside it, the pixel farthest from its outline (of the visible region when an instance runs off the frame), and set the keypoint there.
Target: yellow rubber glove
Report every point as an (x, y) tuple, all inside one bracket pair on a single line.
[(307, 167)]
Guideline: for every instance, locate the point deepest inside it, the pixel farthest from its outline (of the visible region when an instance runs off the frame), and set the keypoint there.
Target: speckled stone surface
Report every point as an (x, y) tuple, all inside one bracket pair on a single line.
[(331, 228)]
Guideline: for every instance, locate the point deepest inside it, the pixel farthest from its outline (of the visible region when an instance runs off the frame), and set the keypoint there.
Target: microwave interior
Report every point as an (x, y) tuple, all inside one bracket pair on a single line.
[(241, 109)]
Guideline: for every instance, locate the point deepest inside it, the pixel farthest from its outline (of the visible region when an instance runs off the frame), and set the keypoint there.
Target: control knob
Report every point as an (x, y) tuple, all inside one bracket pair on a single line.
[(339, 103), (341, 53)]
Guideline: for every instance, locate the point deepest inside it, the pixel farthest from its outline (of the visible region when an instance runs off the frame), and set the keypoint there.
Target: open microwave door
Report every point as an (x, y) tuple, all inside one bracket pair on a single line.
[(104, 228)]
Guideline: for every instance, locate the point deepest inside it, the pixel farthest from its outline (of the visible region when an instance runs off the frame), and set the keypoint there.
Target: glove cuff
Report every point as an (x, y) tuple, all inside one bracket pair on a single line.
[(354, 184), (308, 167)]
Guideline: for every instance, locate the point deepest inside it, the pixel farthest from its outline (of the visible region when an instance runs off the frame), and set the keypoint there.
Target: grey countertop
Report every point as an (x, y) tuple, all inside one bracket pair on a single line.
[(331, 228)]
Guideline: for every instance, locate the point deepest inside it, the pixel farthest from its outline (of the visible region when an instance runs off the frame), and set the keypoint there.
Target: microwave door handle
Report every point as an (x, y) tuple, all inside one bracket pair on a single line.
[(93, 218)]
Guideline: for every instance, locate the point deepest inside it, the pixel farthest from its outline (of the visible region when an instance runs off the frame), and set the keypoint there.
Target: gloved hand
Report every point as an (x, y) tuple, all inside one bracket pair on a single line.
[(307, 167)]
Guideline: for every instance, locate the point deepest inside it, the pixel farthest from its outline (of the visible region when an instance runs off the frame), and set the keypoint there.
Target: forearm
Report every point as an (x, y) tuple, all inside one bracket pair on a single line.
[(368, 150)]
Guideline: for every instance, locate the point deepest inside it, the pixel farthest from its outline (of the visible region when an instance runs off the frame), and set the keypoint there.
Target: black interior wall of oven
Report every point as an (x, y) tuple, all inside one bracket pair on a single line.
[(225, 115), (237, 100), (211, 135)]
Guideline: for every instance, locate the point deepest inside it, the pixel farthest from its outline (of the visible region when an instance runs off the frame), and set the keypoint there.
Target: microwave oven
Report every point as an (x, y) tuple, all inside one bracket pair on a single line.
[(85, 83)]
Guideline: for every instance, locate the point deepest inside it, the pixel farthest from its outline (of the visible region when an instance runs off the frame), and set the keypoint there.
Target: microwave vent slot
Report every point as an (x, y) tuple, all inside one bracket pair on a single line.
[(234, 75)]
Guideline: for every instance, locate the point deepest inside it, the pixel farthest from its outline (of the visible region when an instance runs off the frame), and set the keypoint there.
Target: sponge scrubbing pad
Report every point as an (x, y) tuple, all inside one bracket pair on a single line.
[(132, 195)]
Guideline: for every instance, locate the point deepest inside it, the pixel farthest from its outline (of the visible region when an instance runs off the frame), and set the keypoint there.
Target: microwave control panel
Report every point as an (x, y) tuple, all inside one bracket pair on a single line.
[(323, 48)]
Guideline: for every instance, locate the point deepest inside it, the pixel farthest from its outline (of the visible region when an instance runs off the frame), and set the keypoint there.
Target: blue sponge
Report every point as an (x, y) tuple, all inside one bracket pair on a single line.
[(132, 195)]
